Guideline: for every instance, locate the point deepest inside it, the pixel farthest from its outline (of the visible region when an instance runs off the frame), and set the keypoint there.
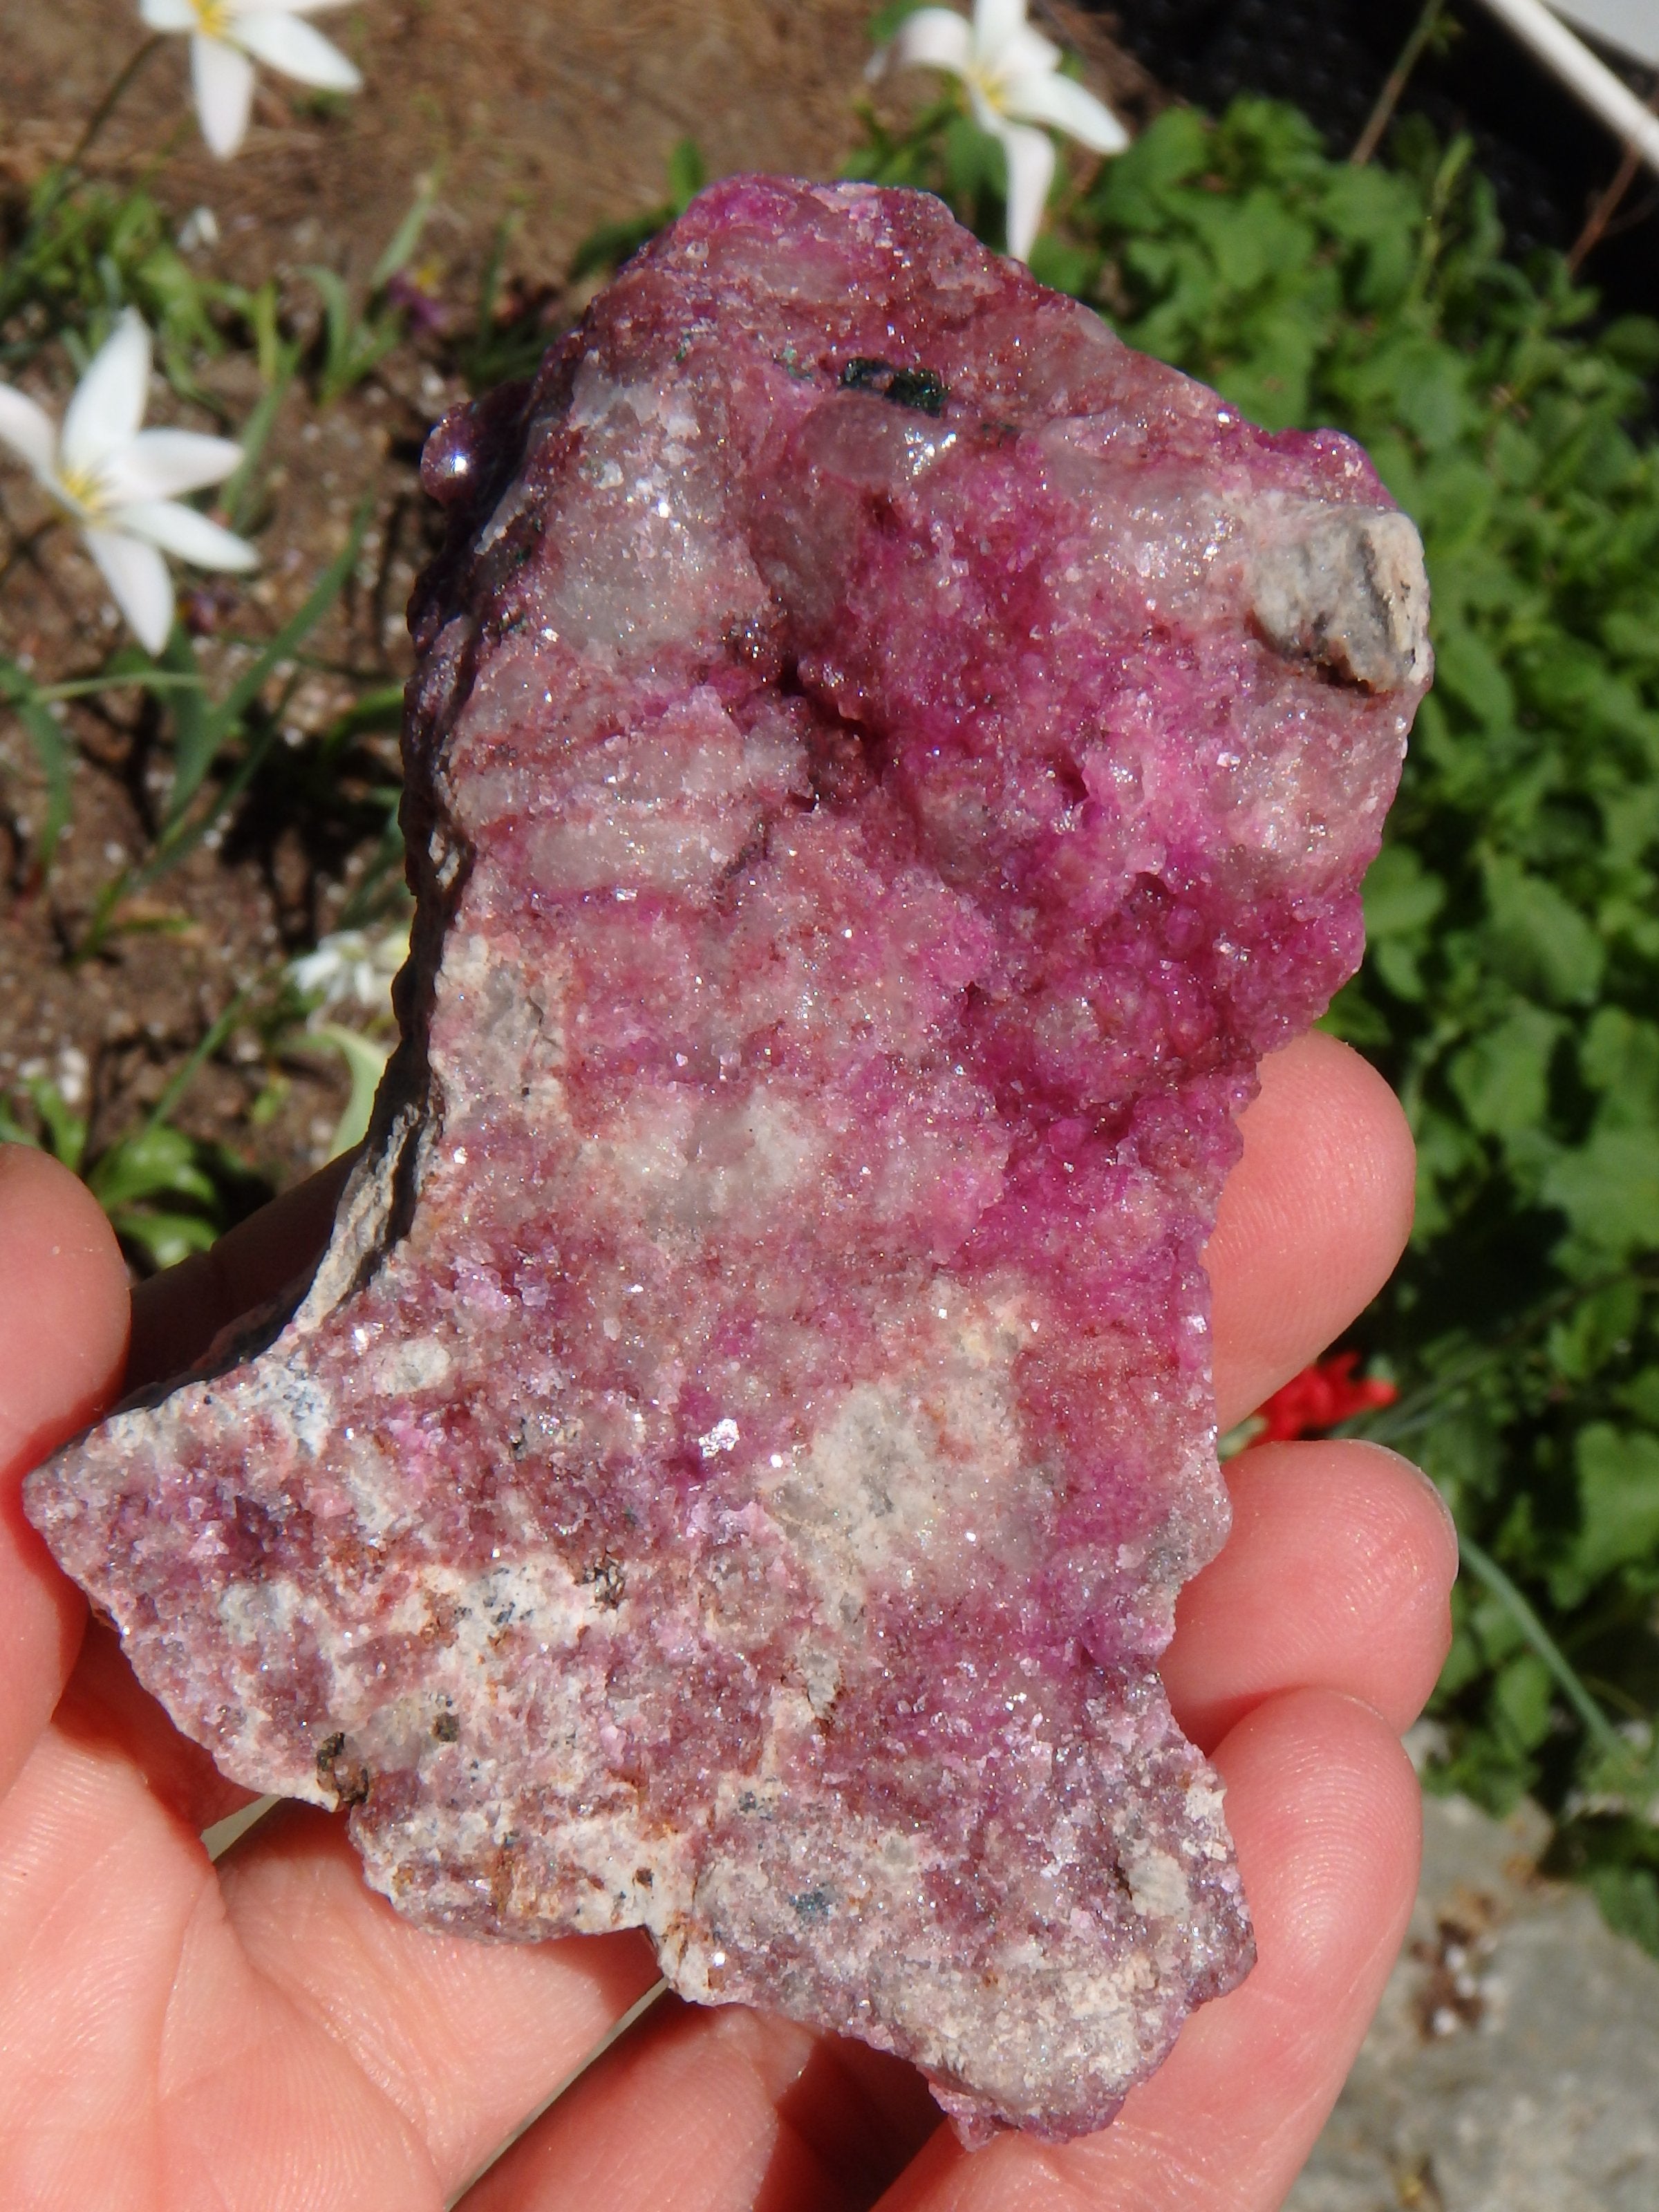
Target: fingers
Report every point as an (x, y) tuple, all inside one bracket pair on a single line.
[(461, 2039), (1338, 1571), (104, 1702), (708, 2111), (1311, 1221), (62, 1335), (276, 2034), (140, 2044), (175, 1317), (1324, 1809)]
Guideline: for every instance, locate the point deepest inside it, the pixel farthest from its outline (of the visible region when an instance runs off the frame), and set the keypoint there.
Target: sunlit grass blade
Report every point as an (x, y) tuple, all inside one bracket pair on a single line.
[(1600, 1730), (52, 751), (219, 722), (237, 497), (407, 236)]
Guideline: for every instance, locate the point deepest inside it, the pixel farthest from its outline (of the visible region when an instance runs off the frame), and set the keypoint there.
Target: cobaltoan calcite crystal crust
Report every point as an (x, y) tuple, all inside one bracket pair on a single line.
[(885, 761)]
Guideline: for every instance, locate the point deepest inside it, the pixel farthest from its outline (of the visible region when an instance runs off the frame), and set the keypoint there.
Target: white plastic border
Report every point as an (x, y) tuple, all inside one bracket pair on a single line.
[(1565, 53)]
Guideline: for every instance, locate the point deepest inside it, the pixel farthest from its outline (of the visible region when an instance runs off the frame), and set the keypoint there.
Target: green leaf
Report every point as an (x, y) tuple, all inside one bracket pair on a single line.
[(14, 1132), (1134, 191), (154, 1163), (237, 497), (1468, 670), (196, 736), (1633, 340), (400, 248), (1640, 1397), (688, 172), (164, 1239), (65, 1130), (1523, 1697), (1608, 1188), (885, 21), (364, 1059), (1501, 1078), (219, 722), (1618, 1501), (1618, 1056), (1598, 1329), (1063, 268), (1629, 1898), (1352, 1016), (1538, 939), (1402, 897), (52, 751)]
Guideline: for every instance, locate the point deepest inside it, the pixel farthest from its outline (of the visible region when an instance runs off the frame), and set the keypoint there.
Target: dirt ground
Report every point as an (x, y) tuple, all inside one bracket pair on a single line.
[(558, 117)]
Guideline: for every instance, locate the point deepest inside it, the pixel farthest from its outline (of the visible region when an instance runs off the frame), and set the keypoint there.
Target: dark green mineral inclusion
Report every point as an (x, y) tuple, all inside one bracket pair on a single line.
[(906, 387)]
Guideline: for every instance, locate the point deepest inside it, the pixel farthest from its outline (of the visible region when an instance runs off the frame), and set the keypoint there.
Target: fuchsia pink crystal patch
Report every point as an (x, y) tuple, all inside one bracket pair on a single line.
[(884, 762)]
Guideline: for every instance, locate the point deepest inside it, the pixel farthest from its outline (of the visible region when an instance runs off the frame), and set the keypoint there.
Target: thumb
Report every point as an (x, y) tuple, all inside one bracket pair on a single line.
[(64, 1319)]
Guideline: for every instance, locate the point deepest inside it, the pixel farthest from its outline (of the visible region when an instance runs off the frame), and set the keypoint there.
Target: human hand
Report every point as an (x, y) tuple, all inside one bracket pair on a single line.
[(267, 2034)]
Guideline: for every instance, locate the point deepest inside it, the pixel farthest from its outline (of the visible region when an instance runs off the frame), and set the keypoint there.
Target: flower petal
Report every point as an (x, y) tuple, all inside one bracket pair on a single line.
[(223, 80), (161, 463), (1030, 171), (181, 529), (1003, 38), (110, 399), (1065, 104), (281, 7), (1028, 53), (139, 583), (285, 43), (933, 37), (30, 432), (167, 14)]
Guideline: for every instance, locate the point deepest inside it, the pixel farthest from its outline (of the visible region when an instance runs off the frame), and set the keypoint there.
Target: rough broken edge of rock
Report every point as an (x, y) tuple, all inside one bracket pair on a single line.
[(1366, 642)]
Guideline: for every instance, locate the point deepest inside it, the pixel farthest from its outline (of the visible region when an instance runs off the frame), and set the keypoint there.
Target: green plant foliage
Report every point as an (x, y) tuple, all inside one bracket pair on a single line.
[(78, 254), (167, 1194), (352, 344)]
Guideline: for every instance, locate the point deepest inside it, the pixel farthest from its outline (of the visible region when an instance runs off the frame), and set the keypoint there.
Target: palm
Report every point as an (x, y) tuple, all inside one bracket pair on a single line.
[(268, 2034)]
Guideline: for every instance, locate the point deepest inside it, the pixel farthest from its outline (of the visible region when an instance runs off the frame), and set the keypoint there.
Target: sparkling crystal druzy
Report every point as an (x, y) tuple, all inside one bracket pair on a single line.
[(885, 760)]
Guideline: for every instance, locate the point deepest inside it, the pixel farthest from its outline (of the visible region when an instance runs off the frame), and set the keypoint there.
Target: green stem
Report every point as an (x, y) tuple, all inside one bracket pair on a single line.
[(107, 107), (148, 679), (1399, 77), (1598, 1726), (1408, 1414), (209, 1045)]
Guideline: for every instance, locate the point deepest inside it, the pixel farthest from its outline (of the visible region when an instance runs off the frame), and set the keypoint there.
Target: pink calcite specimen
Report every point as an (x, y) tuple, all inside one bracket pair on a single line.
[(884, 762)]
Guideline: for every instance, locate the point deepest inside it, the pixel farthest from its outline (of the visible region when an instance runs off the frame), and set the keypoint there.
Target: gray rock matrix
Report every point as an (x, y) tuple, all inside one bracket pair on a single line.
[(1514, 2065)]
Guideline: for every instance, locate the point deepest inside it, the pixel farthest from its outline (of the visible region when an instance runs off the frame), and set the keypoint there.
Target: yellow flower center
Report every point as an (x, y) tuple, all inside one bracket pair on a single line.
[(986, 81), (81, 493), (212, 18)]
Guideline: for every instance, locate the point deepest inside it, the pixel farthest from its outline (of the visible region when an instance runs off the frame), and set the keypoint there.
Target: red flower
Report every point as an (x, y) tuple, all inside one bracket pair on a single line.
[(1319, 1398)]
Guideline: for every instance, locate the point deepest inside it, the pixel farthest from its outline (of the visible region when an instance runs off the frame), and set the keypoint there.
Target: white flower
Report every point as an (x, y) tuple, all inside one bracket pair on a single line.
[(227, 37), (199, 228), (1012, 75), (353, 965), (116, 482)]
